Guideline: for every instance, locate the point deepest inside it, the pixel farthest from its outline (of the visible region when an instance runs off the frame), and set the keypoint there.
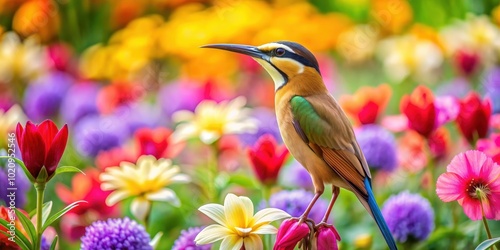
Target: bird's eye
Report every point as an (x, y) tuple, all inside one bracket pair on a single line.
[(279, 51)]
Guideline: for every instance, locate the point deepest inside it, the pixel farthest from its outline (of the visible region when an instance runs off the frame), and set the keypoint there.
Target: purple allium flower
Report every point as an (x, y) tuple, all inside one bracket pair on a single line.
[(295, 203), (295, 175), (115, 234), (186, 240), (408, 216), (96, 133), (45, 244), (139, 115), (378, 146), (267, 124), (492, 86), (44, 96), (80, 101)]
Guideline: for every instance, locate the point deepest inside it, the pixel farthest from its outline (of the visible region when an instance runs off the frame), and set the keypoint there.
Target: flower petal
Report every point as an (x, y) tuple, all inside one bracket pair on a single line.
[(116, 196), (238, 210), (166, 195), (472, 208), (266, 229), (33, 150), (233, 242), (253, 241), (56, 150), (215, 212), (212, 234), (449, 187), (208, 137), (270, 214), (140, 208)]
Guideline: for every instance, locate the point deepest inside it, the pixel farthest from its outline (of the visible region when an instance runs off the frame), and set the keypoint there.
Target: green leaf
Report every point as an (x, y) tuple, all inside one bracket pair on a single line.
[(46, 210), (21, 240), (243, 180), (54, 243), (68, 169), (487, 243), (61, 213), (23, 167), (27, 225), (43, 175)]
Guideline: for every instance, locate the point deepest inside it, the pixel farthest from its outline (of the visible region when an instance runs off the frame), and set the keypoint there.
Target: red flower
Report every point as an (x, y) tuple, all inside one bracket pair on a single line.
[(467, 61), (474, 117), (439, 143), (491, 147), (420, 110), (367, 103), (84, 187), (157, 142), (41, 146), (267, 158), (290, 233)]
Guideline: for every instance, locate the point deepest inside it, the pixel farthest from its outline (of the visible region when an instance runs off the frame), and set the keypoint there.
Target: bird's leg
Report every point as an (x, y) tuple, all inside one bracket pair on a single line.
[(303, 217), (336, 192)]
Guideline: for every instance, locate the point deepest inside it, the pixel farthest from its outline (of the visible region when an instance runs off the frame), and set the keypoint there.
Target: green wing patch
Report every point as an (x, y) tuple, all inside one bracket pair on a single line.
[(308, 122)]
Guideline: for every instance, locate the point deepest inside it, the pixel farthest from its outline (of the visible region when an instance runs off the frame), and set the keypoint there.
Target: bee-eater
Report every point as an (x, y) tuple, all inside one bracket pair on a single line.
[(313, 125)]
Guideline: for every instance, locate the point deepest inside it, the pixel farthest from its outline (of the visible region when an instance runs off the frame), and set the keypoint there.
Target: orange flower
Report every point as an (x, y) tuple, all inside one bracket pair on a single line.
[(393, 15), (7, 214), (367, 103), (37, 17)]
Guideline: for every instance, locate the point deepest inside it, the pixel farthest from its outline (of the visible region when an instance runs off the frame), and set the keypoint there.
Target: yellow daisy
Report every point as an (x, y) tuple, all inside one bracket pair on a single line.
[(237, 224), (211, 120), (146, 181)]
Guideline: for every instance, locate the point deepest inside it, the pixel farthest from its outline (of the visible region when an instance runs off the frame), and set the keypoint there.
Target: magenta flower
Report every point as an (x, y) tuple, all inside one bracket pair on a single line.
[(326, 237), (290, 233), (472, 179)]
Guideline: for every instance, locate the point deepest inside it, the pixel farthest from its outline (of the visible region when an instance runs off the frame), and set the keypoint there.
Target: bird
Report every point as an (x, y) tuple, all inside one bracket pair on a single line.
[(313, 126)]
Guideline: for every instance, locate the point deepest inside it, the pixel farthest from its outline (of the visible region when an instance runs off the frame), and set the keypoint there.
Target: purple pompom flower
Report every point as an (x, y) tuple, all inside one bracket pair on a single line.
[(186, 240), (295, 175), (409, 216), (139, 115), (98, 133), (295, 202), (44, 96), (267, 124), (116, 234), (492, 86), (378, 146), (80, 101)]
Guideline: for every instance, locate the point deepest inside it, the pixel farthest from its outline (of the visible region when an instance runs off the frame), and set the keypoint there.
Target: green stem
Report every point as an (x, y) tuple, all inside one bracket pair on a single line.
[(40, 188), (485, 222)]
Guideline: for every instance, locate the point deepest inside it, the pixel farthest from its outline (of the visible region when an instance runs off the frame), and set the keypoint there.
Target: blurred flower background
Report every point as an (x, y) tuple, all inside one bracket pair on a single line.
[(420, 81)]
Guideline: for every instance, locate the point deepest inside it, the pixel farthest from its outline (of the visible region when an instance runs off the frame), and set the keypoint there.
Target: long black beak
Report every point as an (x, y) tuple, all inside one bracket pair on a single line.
[(241, 49)]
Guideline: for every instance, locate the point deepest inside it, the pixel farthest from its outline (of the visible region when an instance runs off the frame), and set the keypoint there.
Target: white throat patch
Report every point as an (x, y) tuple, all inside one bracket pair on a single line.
[(278, 79)]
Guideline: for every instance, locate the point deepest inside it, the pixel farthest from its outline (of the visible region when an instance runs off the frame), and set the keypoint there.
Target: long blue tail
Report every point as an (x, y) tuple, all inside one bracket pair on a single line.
[(379, 219)]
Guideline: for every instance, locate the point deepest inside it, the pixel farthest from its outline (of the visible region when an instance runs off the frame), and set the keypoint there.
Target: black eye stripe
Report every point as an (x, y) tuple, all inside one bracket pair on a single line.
[(299, 59)]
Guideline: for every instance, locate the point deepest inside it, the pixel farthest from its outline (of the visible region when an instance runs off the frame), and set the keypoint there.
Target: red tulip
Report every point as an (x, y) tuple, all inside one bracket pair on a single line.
[(267, 158), (474, 117), (41, 146), (326, 237), (467, 61), (420, 110), (290, 233)]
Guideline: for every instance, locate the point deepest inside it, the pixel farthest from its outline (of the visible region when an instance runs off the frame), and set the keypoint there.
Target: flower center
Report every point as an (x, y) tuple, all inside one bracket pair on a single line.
[(477, 189), (243, 231)]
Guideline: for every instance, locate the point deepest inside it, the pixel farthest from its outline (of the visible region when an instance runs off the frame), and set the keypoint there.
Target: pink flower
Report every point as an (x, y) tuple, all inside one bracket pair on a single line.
[(290, 233), (472, 179), (326, 237)]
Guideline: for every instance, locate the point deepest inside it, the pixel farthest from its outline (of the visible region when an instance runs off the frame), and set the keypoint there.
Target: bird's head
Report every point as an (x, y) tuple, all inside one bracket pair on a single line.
[(284, 61)]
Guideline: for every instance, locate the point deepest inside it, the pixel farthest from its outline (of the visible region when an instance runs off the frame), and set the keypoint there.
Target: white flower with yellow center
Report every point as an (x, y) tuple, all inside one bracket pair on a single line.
[(8, 121), (476, 33), (237, 225), (146, 181), (20, 60), (211, 120), (405, 56)]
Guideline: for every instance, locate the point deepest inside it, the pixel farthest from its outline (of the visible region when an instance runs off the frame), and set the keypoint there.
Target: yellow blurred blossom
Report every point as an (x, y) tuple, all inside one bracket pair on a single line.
[(238, 227), (477, 34), (8, 121), (146, 181), (211, 120), (20, 60), (363, 241), (129, 51), (358, 44), (409, 56), (39, 17), (392, 15)]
